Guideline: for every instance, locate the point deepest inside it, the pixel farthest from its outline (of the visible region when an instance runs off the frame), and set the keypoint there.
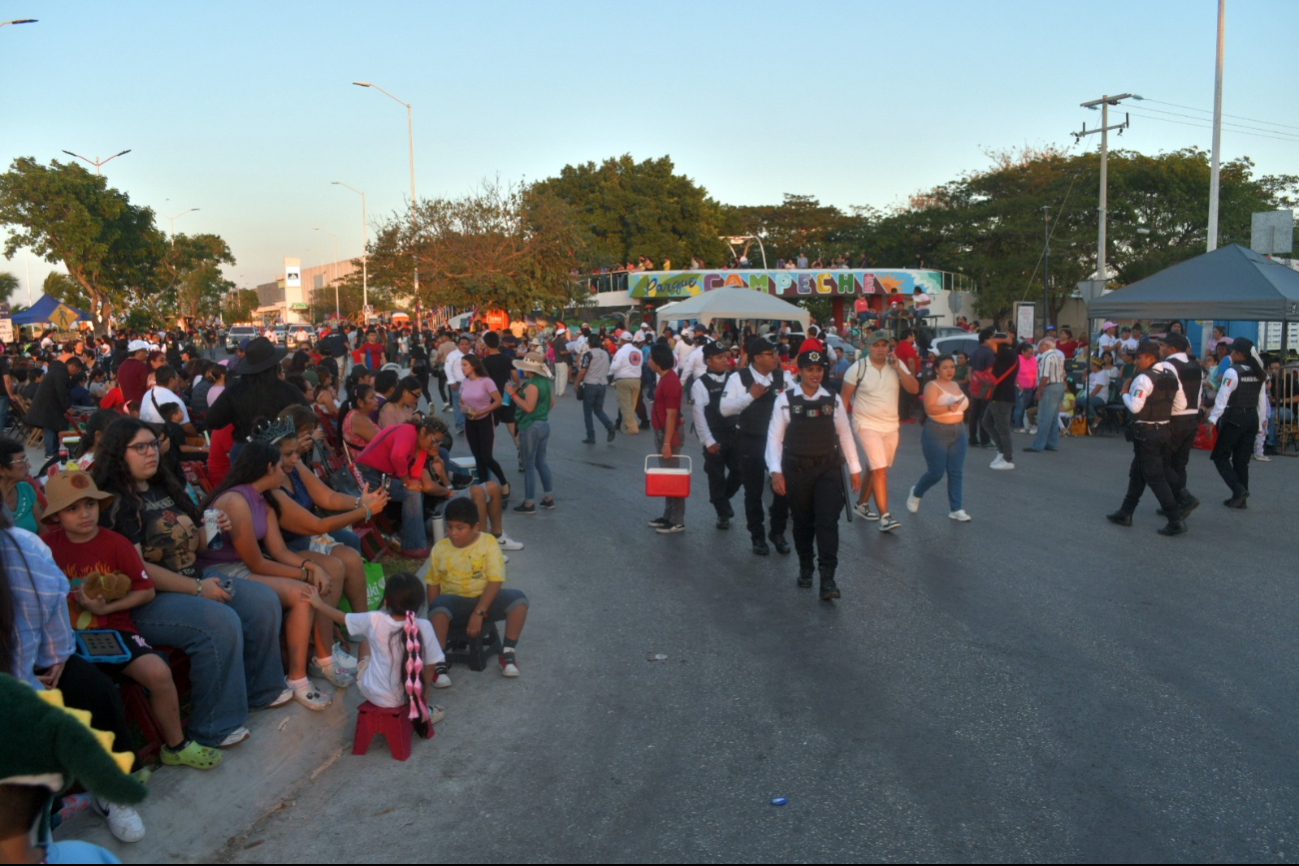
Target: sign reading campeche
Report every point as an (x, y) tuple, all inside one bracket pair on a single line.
[(841, 283)]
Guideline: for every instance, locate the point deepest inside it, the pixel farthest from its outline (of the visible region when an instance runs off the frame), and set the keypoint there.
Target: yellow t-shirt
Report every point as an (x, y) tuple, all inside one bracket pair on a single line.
[(466, 570)]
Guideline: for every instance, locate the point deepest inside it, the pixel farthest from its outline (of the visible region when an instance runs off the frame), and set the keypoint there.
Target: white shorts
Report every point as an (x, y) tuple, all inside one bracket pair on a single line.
[(879, 448)]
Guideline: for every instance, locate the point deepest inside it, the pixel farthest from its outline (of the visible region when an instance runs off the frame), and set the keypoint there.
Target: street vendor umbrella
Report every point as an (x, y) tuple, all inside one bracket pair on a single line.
[(742, 304), (51, 310)]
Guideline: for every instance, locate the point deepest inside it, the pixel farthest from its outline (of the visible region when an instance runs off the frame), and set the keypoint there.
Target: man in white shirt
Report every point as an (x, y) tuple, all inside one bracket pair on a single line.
[(693, 366), (749, 397), (1109, 339), (160, 395), (455, 375), (808, 440), (870, 388), (717, 434), (626, 371)]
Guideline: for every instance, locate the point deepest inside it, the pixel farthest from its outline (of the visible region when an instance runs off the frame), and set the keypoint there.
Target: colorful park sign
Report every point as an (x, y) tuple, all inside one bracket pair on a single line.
[(836, 283)]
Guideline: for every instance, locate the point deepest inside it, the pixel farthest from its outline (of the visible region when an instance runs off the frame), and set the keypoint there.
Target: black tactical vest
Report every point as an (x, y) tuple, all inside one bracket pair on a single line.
[(1159, 405), (1247, 389), (722, 428), (811, 430), (1191, 375), (755, 419)]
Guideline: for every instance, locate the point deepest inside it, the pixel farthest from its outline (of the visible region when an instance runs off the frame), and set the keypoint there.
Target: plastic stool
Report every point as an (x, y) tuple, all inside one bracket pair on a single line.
[(475, 653), (393, 722)]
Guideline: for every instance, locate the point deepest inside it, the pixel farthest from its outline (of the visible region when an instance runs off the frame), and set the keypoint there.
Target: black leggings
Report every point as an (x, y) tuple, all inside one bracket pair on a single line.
[(480, 434), (86, 687), (422, 376), (442, 388)]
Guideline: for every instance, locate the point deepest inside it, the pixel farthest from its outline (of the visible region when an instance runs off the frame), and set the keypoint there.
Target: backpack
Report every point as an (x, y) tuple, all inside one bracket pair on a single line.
[(983, 385)]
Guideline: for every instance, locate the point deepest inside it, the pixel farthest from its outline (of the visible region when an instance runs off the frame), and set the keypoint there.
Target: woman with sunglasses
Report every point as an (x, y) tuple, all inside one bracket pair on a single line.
[(192, 611), (16, 485), (253, 551)]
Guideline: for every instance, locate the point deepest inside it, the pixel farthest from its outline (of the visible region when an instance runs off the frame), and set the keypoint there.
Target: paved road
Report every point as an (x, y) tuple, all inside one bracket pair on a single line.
[(1035, 685)]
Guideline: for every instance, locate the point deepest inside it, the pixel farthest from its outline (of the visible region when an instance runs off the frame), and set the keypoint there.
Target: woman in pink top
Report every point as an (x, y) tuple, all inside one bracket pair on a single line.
[(480, 398), (1025, 384)]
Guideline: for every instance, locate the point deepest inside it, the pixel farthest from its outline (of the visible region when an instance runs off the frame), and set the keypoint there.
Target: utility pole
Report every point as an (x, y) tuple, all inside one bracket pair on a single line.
[(1046, 267), (1217, 133), (1104, 102)]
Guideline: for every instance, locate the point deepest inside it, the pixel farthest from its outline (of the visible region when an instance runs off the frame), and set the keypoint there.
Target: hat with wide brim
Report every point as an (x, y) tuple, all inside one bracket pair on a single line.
[(67, 488), (260, 355), (533, 362)]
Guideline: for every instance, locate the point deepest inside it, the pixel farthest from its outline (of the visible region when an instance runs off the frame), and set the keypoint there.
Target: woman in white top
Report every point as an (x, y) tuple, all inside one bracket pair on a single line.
[(943, 439)]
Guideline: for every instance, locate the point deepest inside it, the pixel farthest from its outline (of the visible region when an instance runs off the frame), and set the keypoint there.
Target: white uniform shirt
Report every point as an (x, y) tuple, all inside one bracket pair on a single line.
[(694, 364), (699, 398), (1179, 402), (1230, 380), (627, 362), (682, 350), (455, 373), (780, 421), (1140, 391), (736, 398)]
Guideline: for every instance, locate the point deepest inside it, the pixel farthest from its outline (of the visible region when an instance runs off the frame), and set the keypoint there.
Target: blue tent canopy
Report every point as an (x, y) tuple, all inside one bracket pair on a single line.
[(41, 310)]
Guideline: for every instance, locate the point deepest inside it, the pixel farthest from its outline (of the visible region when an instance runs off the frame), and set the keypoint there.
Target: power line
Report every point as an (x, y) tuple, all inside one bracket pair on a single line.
[(1200, 126), (1207, 111), (1235, 125)]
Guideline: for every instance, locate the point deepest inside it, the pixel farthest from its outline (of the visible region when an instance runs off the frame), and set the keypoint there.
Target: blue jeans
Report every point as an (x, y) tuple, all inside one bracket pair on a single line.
[(593, 405), (1048, 421), (216, 637), (413, 534), (1094, 406), (532, 450), (1023, 400), (456, 414), (51, 442), (944, 447)]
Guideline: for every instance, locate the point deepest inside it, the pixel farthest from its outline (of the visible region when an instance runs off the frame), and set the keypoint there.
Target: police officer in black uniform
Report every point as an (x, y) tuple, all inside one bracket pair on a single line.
[(1237, 412), (749, 397), (1185, 422), (1150, 399), (807, 444), (717, 434)]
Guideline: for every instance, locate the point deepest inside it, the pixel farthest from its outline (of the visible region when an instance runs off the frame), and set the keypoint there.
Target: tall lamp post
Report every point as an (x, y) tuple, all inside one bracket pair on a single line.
[(365, 243), (410, 142), (97, 162), (1046, 268), (171, 221), (333, 269)]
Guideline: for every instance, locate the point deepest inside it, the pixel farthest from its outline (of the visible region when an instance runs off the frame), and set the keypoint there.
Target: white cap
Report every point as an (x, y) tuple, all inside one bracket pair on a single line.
[(136, 346), (625, 336)]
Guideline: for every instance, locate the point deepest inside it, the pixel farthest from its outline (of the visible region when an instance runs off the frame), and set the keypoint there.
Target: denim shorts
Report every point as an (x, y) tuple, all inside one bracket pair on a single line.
[(460, 607), (228, 569)]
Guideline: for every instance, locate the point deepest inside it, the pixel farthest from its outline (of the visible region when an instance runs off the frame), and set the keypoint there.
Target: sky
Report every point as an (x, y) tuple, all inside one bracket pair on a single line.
[(247, 112)]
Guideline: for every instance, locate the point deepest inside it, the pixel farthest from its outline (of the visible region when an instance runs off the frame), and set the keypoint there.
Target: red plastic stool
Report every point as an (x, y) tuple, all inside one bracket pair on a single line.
[(392, 722)]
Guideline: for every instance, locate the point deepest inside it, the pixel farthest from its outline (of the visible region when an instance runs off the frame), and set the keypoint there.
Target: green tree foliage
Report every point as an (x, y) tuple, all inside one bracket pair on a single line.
[(799, 224), (500, 247), (188, 280), (239, 305), (62, 287), (66, 214), (629, 209), (8, 285)]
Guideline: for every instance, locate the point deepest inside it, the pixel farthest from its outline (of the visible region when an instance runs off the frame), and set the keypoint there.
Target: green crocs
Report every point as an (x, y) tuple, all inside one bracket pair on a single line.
[(192, 754)]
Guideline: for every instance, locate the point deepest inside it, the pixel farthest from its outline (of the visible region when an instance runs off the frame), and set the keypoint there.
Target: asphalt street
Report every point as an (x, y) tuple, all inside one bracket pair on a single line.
[(1037, 685)]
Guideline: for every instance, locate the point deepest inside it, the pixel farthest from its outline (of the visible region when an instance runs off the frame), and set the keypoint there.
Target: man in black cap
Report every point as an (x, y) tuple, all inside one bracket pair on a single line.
[(1150, 399), (808, 442), (749, 397), (1241, 403), (717, 434), (1185, 422)]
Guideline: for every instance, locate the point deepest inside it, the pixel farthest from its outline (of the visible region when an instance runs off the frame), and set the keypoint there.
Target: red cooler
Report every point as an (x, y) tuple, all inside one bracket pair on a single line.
[(669, 478)]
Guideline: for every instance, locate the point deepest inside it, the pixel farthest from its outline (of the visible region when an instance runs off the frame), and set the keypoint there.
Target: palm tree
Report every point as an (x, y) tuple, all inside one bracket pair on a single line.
[(8, 285)]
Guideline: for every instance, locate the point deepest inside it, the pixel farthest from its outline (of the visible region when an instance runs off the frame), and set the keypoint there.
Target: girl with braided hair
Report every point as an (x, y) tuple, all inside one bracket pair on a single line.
[(403, 650)]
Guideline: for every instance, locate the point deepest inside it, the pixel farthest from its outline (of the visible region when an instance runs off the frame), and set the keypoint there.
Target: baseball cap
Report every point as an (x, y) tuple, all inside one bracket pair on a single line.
[(1148, 347), (712, 350), (1108, 325), (625, 336), (137, 346), (878, 336)]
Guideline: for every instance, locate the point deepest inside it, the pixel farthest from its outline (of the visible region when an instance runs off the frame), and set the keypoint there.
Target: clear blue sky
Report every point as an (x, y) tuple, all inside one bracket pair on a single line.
[(246, 110)]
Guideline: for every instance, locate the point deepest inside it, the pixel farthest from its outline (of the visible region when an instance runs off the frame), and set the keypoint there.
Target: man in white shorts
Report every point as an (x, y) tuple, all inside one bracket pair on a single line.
[(870, 391)]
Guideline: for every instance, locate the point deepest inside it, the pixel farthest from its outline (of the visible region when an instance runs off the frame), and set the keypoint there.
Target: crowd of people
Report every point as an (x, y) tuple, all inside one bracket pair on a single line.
[(216, 509)]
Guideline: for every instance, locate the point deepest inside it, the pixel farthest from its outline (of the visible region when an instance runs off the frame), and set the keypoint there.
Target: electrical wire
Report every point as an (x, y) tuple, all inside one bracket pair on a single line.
[(1236, 126), (1208, 111), (1201, 126)]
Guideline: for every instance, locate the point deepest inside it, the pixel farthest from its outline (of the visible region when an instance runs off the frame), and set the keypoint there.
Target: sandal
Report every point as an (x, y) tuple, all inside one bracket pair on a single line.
[(192, 754), (312, 698)]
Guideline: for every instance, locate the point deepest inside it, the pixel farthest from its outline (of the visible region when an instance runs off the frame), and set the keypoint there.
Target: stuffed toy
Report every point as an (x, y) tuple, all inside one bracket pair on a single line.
[(109, 587)]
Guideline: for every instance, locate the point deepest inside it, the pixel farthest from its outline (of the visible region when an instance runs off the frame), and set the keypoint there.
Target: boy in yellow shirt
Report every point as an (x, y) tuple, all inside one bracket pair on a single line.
[(466, 580)]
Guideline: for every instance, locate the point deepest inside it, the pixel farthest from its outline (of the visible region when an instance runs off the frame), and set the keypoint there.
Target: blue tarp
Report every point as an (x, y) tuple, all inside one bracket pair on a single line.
[(40, 312)]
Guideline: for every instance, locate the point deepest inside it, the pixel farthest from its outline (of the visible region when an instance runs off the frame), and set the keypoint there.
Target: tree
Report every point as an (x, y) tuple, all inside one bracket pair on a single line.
[(629, 209), (189, 279), (8, 285), (62, 288), (501, 247), (239, 306), (65, 214), (799, 224)]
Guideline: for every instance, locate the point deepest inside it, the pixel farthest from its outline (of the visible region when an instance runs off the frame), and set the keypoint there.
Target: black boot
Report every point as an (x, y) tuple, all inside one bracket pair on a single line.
[(1187, 503), (1176, 526), (1238, 499), (806, 568), (829, 592), (1120, 517), (781, 545)]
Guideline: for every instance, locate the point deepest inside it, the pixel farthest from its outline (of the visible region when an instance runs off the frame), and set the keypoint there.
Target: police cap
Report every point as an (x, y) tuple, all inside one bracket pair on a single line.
[(712, 350), (1148, 347), (813, 358), (1177, 342)]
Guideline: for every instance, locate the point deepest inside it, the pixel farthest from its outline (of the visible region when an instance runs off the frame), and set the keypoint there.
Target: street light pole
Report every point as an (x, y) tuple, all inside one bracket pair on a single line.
[(1046, 267), (97, 162), (1104, 102), (333, 268), (1214, 175), (410, 142), (171, 220), (365, 248)]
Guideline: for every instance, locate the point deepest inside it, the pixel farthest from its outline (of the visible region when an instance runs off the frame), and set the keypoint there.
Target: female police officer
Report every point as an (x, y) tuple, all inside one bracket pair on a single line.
[(808, 441), (1237, 411)]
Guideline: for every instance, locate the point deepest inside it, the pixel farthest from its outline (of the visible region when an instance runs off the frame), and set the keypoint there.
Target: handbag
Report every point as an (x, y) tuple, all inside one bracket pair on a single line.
[(580, 391), (983, 385)]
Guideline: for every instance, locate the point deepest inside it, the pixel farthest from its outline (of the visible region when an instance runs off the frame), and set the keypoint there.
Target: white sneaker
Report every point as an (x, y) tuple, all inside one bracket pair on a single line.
[(123, 821), (864, 511), (1262, 458), (960, 516), (887, 523), (508, 543), (913, 501), (239, 734), (997, 462), (1005, 464), (1032, 431), (344, 658), (442, 681)]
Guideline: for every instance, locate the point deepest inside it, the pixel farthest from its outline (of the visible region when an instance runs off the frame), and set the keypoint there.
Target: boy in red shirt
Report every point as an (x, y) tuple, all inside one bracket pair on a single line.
[(84, 550), (666, 422)]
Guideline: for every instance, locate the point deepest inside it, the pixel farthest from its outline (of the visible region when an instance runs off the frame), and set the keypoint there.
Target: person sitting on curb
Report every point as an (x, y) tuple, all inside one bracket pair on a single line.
[(466, 579)]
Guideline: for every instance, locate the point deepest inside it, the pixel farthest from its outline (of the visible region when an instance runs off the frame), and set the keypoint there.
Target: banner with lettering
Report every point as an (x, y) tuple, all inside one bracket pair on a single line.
[(806, 283)]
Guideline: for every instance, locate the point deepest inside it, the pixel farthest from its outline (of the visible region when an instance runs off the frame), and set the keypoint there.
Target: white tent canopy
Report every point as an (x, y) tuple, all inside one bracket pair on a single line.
[(742, 304)]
